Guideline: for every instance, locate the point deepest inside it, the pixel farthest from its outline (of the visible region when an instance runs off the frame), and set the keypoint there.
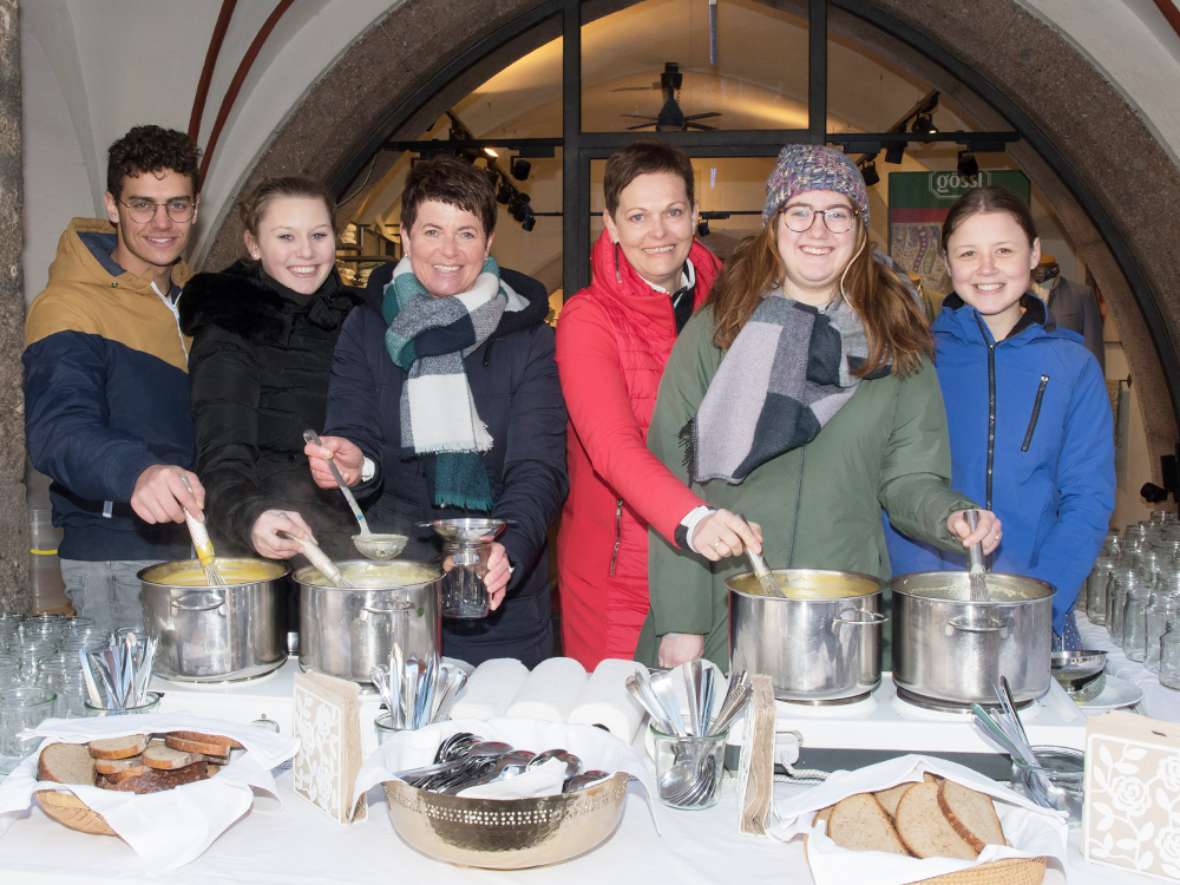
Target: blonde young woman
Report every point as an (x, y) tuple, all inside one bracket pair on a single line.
[(802, 396)]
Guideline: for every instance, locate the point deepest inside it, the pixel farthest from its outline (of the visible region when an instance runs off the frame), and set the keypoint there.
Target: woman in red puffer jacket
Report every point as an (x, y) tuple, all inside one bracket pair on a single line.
[(613, 338)]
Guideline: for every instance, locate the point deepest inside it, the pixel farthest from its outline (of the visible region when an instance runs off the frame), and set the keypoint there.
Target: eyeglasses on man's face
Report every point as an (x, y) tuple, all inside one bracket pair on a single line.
[(838, 219), (142, 209)]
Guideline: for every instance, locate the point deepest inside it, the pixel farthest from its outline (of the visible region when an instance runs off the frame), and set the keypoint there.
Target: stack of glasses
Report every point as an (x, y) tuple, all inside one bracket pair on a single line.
[(1134, 590)]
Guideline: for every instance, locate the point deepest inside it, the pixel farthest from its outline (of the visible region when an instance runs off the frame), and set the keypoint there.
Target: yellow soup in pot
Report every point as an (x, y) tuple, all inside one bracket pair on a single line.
[(233, 571)]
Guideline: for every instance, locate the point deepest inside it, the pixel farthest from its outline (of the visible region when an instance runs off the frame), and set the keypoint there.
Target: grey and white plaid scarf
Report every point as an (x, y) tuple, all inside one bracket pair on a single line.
[(788, 371)]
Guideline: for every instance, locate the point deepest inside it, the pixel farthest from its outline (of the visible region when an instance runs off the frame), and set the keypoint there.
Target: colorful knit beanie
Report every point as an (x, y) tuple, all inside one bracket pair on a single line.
[(809, 167)]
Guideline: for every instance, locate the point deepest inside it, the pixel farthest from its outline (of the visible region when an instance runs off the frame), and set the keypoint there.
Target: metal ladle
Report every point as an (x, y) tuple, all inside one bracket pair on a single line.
[(320, 561), (977, 568), (372, 545)]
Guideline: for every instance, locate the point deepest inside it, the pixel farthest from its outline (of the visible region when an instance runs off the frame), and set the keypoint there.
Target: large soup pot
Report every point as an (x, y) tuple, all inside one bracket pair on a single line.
[(216, 634), (949, 650), (820, 643), (345, 632)]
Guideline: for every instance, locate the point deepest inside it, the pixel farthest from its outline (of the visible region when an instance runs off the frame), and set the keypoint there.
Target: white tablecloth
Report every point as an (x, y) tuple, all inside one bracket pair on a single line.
[(1158, 702), (300, 846)]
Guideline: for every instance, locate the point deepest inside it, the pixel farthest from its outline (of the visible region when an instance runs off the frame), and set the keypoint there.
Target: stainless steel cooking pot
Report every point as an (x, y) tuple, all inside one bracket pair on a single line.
[(820, 643), (216, 634), (950, 650), (344, 632)]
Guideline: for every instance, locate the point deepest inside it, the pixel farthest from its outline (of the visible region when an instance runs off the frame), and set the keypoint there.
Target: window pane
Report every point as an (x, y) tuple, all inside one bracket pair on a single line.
[(759, 80)]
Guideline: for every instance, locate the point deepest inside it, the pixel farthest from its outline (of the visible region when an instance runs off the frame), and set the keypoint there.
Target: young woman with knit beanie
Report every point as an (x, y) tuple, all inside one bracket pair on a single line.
[(802, 397)]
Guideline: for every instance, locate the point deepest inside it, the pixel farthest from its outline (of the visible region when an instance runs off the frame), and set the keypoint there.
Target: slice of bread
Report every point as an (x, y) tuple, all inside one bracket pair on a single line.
[(165, 758), (859, 823), (923, 827), (155, 780), (114, 766), (198, 742), (118, 748), (972, 814), (66, 764), (889, 798)]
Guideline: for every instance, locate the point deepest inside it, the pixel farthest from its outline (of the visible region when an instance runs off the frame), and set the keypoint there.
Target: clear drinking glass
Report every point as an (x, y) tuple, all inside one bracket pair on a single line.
[(1135, 622), (464, 594), (1096, 589), (1125, 576), (1170, 657), (1064, 768), (689, 769), (148, 706), (21, 708)]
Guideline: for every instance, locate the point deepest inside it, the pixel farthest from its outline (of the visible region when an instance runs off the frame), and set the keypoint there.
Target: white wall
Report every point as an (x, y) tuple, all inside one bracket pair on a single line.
[(92, 70)]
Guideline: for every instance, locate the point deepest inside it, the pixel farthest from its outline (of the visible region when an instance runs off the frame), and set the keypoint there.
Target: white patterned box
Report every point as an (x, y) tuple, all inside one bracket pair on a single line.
[(1132, 808), (327, 723)]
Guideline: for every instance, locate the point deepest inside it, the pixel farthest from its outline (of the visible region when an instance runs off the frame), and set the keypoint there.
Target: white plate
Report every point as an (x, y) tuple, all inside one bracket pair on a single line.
[(1116, 694)]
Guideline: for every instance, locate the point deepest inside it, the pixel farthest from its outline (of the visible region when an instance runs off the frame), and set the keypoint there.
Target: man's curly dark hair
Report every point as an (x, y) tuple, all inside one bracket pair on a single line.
[(150, 149)]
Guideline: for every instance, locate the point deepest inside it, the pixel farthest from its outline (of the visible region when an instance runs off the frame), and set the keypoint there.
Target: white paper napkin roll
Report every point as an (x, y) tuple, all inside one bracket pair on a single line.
[(551, 691), (606, 700), (491, 689)]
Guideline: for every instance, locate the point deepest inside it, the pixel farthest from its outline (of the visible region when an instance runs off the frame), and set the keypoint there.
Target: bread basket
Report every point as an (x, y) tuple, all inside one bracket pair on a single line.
[(506, 834), (1009, 871), (69, 810)]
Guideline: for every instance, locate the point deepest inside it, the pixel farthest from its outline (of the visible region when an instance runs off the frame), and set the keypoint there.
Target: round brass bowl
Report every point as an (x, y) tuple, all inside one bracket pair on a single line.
[(506, 834)]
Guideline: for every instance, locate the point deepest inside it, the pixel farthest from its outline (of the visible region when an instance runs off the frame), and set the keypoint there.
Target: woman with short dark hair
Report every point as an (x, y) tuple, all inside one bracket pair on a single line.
[(613, 338), (444, 402)]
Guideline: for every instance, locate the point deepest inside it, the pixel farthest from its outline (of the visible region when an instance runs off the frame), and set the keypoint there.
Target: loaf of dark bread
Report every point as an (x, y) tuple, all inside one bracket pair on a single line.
[(155, 780)]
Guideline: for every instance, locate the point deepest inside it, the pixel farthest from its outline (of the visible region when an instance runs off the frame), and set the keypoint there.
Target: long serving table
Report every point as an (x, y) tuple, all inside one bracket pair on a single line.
[(296, 844)]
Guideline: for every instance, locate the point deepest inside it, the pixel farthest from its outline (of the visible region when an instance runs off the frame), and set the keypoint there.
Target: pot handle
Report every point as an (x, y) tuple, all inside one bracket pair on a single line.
[(870, 619), (985, 624), (177, 603), (396, 610)]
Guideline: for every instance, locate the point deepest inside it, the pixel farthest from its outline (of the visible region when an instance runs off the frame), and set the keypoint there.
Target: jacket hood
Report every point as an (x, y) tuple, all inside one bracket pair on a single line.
[(76, 260), (244, 300), (967, 324), (614, 277)]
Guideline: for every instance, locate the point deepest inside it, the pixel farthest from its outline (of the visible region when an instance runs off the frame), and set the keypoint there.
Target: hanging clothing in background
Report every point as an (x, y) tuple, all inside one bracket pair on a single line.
[(1072, 306)]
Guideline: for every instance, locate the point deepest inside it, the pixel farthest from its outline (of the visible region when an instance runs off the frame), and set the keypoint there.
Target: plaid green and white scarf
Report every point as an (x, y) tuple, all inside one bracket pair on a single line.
[(429, 337)]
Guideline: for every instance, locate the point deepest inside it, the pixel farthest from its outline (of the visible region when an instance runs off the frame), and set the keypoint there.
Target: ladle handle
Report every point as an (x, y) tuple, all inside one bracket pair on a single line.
[(320, 560), (311, 436), (976, 564)]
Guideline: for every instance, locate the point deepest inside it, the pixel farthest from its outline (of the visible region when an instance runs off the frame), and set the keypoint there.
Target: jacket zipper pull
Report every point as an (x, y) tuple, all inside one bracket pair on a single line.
[(614, 553)]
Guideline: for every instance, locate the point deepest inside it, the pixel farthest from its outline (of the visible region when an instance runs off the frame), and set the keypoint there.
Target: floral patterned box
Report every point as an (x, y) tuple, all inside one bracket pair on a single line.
[(327, 723), (1132, 809)]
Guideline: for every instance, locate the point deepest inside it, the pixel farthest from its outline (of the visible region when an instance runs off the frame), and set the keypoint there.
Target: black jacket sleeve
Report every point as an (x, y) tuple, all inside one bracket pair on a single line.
[(535, 479)]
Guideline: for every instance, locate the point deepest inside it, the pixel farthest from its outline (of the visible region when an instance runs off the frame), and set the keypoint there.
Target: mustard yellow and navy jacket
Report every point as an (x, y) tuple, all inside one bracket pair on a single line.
[(106, 396)]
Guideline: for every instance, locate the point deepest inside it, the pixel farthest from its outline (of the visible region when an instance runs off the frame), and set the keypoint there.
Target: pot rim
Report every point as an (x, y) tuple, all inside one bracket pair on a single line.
[(855, 576), (281, 571), (342, 564), (1046, 591)]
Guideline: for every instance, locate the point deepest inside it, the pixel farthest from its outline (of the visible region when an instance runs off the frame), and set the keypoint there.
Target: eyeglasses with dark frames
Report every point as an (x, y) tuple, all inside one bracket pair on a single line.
[(142, 209), (838, 219)]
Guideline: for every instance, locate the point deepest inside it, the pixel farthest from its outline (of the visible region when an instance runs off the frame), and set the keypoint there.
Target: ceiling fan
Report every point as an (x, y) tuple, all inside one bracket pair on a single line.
[(671, 117)]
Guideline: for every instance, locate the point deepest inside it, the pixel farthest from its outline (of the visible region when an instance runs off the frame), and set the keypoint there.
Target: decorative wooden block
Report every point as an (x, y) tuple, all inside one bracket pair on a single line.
[(327, 723), (1132, 808)]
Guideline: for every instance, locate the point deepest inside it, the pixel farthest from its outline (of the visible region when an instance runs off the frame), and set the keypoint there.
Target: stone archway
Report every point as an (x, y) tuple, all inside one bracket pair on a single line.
[(991, 54)]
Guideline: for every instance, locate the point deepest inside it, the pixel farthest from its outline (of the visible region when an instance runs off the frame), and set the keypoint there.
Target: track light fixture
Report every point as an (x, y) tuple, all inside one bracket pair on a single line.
[(924, 125), (520, 168), (703, 228), (895, 152), (869, 171), (968, 166)]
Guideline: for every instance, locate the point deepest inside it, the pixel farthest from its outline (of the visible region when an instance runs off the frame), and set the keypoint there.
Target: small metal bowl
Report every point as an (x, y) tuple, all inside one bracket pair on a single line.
[(1075, 670), (506, 834)]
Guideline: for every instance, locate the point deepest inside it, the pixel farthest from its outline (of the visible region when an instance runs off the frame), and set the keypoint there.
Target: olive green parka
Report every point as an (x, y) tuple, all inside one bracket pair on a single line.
[(819, 505)]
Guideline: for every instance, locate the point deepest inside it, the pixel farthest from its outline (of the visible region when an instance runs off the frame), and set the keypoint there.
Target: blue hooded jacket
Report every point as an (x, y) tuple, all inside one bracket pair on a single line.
[(1047, 468)]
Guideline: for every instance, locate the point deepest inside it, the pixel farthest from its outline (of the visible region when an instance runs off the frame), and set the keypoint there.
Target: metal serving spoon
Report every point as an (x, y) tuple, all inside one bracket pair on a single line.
[(372, 545)]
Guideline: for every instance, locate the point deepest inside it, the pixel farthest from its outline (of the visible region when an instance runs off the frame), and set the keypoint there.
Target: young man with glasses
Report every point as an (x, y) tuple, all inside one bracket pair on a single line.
[(106, 379)]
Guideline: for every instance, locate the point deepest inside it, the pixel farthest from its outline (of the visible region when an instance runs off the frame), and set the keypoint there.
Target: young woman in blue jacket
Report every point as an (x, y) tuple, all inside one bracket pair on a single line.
[(1029, 418)]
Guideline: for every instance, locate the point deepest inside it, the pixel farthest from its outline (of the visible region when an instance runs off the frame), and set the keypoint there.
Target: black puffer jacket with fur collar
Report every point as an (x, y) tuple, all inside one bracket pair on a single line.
[(259, 367)]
